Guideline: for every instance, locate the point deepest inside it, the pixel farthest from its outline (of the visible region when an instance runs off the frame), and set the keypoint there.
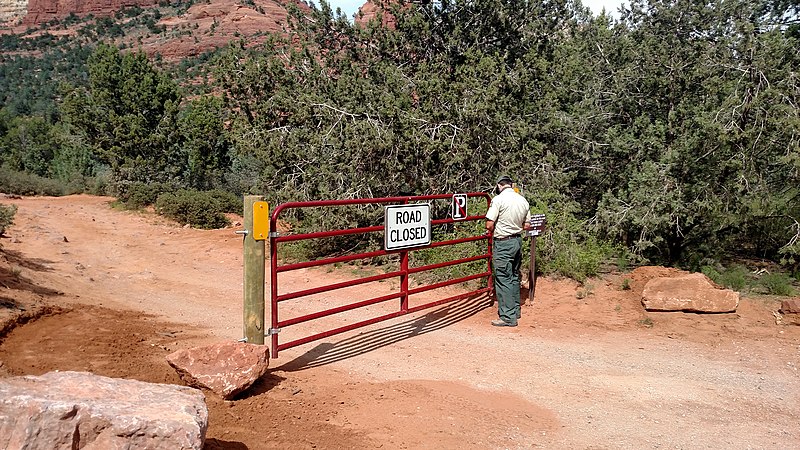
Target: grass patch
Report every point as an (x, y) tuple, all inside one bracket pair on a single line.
[(740, 279), (777, 284), (7, 213), (585, 291)]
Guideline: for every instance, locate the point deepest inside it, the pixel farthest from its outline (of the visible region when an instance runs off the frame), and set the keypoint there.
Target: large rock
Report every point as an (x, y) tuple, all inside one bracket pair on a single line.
[(691, 293), (227, 368), (791, 306), (790, 312), (69, 410)]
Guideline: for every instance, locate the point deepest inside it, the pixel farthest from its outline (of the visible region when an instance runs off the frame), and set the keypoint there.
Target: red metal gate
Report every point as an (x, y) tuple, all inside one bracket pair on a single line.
[(403, 273)]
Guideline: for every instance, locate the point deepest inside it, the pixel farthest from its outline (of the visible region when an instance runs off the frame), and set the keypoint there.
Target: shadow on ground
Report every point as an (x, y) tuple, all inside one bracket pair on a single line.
[(11, 278), (368, 341)]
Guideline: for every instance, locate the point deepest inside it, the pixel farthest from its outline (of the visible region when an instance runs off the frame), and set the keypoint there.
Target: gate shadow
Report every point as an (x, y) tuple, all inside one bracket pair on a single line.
[(448, 314)]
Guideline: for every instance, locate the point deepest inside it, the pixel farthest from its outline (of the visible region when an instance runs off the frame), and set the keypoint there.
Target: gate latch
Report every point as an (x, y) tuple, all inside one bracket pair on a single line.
[(271, 331)]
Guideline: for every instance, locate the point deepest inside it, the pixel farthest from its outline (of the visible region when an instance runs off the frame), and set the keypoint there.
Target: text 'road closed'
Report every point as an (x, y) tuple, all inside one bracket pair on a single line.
[(407, 226)]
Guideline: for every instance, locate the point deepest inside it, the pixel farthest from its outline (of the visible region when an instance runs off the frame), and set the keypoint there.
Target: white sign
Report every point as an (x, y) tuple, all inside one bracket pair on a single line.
[(459, 206), (407, 226)]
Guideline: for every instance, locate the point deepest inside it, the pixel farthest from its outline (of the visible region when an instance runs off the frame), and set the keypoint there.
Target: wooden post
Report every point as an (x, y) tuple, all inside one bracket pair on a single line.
[(532, 275), (253, 277)]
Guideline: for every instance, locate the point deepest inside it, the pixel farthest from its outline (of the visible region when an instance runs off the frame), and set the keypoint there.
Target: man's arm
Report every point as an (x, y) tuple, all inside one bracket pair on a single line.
[(490, 226), (527, 224)]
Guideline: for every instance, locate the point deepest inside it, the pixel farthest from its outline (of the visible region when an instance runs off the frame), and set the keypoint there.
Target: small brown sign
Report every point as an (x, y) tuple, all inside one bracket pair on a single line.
[(538, 224)]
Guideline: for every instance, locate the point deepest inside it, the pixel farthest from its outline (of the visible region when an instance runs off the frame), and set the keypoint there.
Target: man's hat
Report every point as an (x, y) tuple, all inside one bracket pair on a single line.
[(505, 179)]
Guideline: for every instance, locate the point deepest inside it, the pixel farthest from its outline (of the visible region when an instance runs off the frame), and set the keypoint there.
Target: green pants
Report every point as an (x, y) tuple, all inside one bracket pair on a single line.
[(507, 260)]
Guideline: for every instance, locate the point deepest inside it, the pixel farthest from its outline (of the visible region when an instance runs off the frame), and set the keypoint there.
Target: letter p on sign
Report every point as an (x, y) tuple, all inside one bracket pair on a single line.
[(459, 206)]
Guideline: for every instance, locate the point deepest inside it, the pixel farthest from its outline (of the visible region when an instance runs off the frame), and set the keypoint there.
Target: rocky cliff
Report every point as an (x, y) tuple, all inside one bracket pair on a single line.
[(40, 11), (218, 22), (370, 10), (12, 10), (205, 26)]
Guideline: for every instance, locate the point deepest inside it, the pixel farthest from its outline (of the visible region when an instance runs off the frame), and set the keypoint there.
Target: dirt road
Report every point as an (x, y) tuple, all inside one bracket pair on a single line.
[(593, 372)]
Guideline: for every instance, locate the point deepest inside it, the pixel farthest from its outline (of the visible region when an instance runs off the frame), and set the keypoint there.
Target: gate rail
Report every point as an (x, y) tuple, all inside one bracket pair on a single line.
[(404, 272)]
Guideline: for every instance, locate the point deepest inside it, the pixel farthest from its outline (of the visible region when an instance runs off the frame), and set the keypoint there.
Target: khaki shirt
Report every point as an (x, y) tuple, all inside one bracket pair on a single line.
[(509, 211)]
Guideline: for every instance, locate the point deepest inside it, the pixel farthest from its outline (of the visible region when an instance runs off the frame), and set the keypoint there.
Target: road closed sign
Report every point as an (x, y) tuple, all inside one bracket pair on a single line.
[(407, 226)]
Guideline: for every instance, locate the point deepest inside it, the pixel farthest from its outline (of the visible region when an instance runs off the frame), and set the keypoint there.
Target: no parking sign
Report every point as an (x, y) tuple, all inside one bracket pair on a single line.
[(459, 208)]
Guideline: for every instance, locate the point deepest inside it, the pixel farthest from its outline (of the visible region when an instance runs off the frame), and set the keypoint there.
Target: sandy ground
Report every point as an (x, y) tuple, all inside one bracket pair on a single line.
[(87, 287)]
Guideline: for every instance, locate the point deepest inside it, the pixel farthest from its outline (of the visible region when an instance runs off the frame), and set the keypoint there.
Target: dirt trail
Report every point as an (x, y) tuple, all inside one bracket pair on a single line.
[(596, 372)]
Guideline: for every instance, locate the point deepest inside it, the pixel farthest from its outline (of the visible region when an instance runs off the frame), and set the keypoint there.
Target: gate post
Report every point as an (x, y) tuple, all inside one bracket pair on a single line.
[(532, 274), (404, 280), (253, 277)]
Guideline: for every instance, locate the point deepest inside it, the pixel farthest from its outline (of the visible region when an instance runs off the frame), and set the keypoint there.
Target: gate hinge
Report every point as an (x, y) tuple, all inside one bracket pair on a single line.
[(273, 234), (271, 331)]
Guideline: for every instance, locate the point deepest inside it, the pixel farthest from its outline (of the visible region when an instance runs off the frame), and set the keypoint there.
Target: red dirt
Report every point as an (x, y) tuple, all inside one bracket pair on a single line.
[(112, 292)]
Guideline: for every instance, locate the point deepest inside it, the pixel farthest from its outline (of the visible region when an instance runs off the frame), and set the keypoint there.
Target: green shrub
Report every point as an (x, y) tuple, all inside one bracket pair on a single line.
[(138, 195), (229, 202), (736, 277), (570, 252), (711, 273), (196, 208), (98, 185), (739, 279), (21, 183), (7, 213), (568, 246), (777, 284)]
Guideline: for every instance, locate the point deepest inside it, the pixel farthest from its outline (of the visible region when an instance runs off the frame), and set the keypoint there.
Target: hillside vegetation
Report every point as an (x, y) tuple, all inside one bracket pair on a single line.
[(671, 135)]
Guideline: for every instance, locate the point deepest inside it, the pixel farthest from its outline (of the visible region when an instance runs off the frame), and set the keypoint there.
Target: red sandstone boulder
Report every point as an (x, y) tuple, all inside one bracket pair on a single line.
[(790, 311), (69, 410), (791, 306), (690, 293), (227, 368)]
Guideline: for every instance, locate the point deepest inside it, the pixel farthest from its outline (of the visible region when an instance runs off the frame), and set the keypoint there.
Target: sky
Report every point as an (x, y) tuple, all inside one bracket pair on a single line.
[(349, 7)]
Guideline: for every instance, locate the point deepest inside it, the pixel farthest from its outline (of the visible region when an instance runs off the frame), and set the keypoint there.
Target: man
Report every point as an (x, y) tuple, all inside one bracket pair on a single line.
[(508, 215)]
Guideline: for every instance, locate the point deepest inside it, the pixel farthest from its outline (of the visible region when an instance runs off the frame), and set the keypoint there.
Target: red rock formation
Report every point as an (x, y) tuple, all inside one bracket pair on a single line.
[(206, 25), (40, 11), (369, 11), (219, 22), (12, 10)]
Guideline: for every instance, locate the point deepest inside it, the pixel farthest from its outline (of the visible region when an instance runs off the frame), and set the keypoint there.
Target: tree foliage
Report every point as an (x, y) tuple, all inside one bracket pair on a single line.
[(671, 131), (128, 115)]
